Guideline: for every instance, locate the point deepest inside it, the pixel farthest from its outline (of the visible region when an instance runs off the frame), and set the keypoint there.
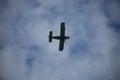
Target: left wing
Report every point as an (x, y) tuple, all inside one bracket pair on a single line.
[(62, 30), (61, 45)]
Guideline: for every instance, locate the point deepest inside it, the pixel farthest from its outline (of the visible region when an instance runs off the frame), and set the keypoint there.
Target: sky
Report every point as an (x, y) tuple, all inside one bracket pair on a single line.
[(91, 53)]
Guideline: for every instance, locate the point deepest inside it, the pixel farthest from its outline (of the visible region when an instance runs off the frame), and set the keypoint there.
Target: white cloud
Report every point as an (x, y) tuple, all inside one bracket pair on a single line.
[(25, 29)]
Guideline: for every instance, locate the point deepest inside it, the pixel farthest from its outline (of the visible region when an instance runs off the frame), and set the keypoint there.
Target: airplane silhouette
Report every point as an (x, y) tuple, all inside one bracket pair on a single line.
[(62, 37)]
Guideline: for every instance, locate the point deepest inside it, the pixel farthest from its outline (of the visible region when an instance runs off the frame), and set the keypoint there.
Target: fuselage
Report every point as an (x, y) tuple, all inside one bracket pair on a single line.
[(61, 37)]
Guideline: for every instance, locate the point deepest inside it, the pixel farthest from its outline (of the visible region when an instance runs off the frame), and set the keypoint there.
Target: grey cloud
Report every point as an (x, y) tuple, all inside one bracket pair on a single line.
[(112, 12)]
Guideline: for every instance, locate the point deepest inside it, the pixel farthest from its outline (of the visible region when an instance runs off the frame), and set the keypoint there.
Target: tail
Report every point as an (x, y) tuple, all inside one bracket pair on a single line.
[(50, 36)]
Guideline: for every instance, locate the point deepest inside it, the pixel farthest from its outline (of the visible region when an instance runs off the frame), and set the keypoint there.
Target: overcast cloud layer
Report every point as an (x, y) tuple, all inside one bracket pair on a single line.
[(91, 53)]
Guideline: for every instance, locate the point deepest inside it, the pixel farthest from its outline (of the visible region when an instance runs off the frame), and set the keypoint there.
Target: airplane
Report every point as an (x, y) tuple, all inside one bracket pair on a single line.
[(62, 37)]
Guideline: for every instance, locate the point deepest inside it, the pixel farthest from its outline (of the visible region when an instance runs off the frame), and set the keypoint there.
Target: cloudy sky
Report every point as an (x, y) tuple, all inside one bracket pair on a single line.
[(91, 53)]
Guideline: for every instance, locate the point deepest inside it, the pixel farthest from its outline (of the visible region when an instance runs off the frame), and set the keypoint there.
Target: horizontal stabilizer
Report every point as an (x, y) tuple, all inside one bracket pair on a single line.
[(50, 36)]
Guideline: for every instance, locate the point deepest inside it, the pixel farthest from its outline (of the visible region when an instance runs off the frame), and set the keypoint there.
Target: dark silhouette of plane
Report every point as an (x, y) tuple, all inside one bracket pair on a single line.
[(62, 37)]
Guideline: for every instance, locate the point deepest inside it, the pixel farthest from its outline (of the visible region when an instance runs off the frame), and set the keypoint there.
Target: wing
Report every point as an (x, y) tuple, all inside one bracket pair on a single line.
[(62, 31), (61, 45)]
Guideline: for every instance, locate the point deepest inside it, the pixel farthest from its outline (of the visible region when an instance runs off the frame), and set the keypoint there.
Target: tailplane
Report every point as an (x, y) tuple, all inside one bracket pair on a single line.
[(50, 36)]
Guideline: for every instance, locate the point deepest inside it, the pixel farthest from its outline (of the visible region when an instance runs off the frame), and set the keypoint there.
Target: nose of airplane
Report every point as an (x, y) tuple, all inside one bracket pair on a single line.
[(68, 37)]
